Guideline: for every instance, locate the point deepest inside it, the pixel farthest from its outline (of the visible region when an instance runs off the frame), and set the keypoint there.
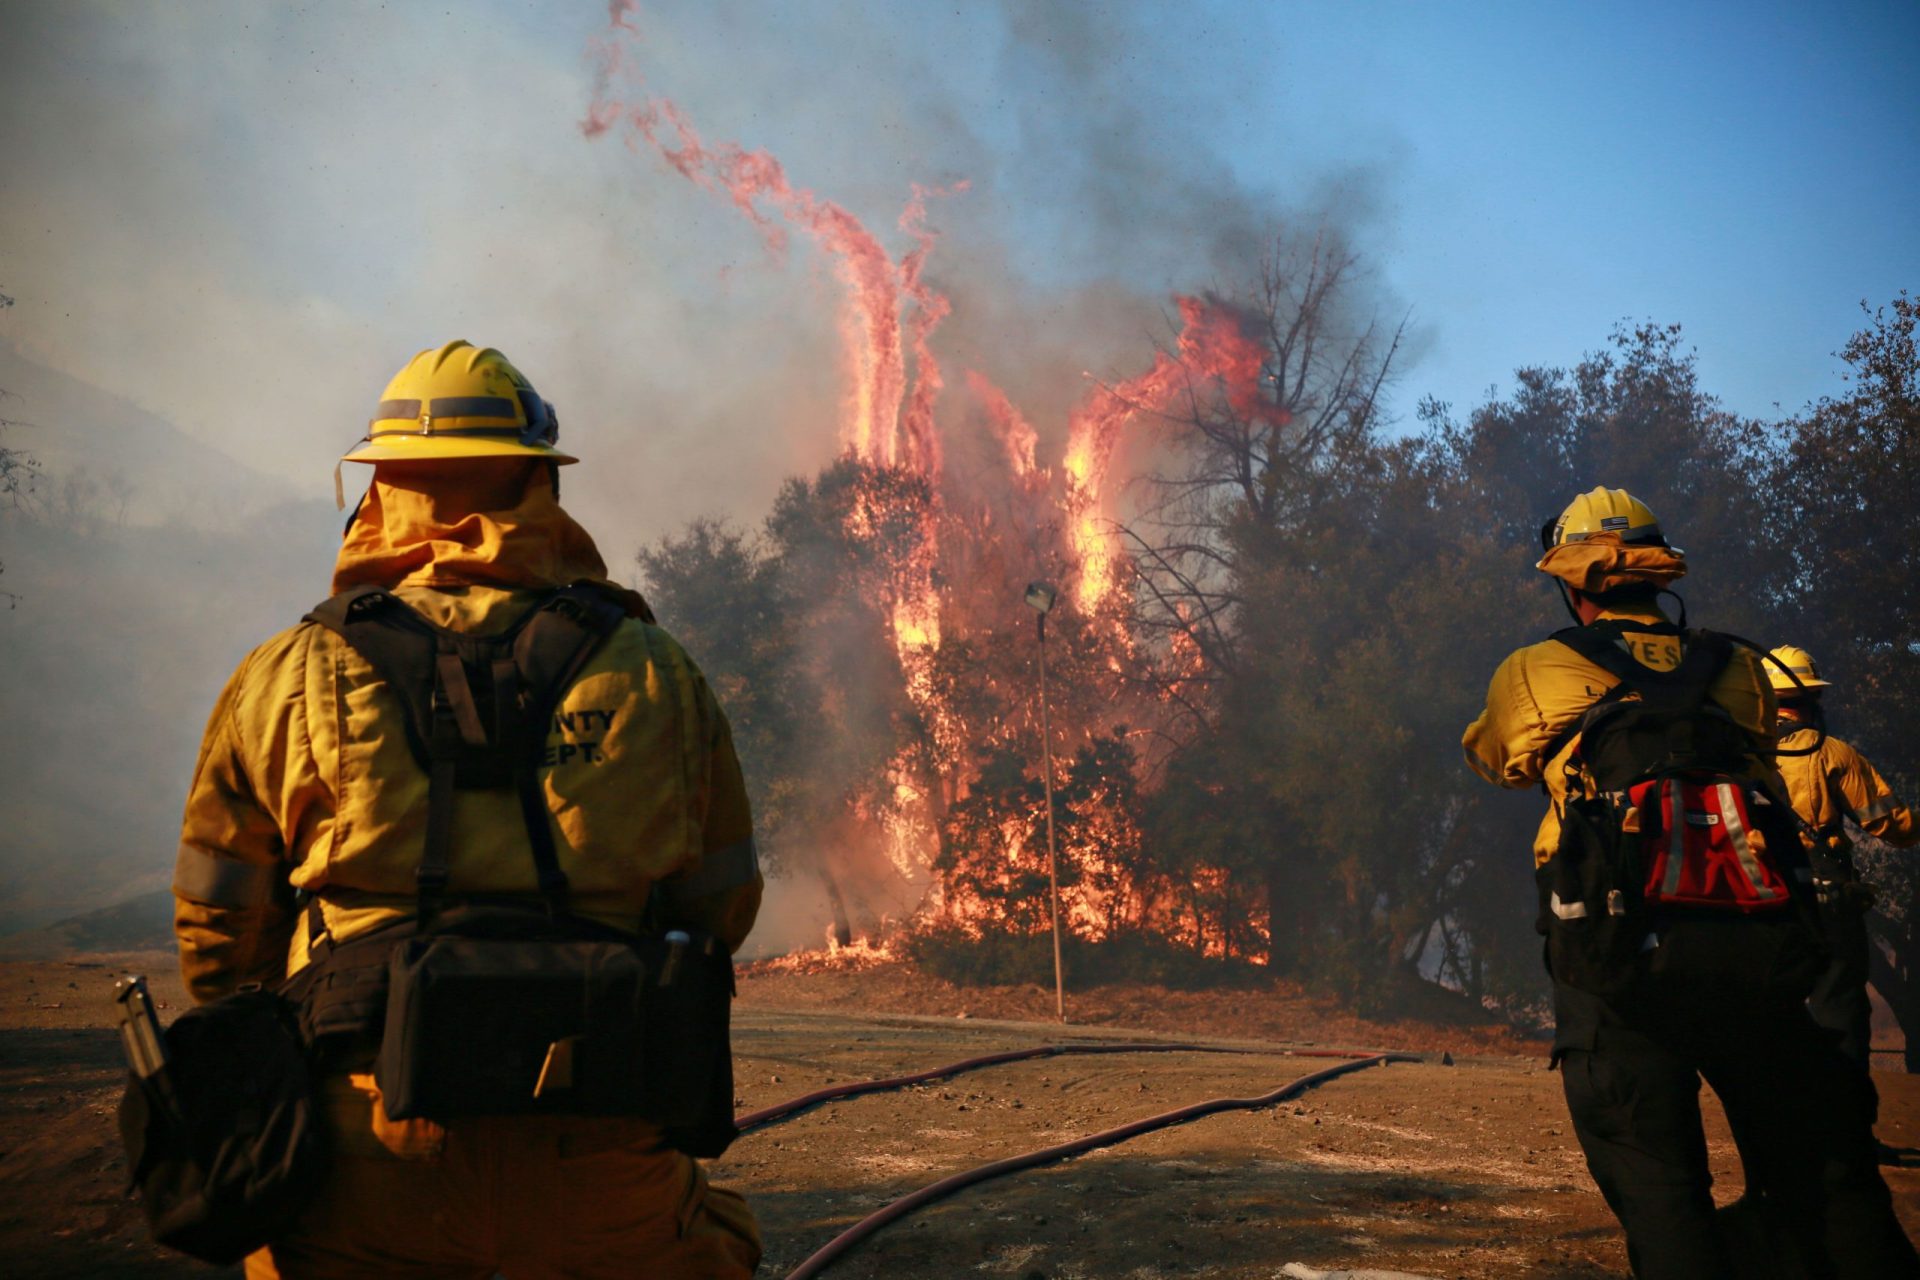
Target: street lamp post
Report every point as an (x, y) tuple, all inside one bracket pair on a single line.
[(1040, 597)]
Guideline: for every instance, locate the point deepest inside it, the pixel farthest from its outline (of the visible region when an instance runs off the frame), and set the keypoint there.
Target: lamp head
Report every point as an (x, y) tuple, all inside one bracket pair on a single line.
[(1040, 597)]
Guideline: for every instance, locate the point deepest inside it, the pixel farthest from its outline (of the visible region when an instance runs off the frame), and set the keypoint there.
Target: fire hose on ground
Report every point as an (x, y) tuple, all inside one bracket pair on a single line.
[(794, 1106), (827, 1254)]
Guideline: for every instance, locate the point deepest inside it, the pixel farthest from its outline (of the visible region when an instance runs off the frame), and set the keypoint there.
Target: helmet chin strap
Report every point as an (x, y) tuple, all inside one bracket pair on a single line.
[(1566, 598), (348, 527)]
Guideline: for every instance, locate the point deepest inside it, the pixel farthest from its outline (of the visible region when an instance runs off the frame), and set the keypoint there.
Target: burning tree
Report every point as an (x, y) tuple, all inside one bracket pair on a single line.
[(992, 865), (1293, 615), (893, 584), (1246, 556), (798, 626)]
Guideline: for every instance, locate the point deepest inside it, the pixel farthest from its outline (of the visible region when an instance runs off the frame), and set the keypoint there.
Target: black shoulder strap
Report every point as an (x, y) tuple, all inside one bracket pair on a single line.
[(1600, 645), (398, 644), (554, 641), (528, 668), (1704, 654), (1558, 742), (558, 638)]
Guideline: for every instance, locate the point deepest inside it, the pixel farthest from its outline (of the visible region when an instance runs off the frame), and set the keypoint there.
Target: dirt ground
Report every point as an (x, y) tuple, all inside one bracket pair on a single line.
[(1467, 1170)]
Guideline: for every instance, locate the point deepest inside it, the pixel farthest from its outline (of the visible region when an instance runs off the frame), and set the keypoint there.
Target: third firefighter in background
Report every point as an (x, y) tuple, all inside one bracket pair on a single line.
[(1831, 786)]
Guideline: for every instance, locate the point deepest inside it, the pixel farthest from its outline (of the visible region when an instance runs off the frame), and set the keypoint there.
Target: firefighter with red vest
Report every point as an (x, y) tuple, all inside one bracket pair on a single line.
[(1693, 995), (1832, 784), (311, 821)]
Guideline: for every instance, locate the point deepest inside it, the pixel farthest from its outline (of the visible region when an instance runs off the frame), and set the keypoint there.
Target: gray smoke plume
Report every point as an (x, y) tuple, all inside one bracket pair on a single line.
[(225, 228)]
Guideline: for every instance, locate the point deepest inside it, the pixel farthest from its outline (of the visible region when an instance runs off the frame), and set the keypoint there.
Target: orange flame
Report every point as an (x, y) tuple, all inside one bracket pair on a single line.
[(1213, 350), (888, 317), (930, 308), (1009, 425), (882, 424)]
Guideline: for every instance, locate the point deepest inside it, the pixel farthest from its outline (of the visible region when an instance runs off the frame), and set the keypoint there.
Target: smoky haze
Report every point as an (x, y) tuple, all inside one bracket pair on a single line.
[(224, 228)]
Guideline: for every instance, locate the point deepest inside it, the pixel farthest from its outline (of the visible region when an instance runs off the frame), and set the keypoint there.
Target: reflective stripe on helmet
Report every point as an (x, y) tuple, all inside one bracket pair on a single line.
[(429, 430), (1645, 533), (450, 407), (473, 407)]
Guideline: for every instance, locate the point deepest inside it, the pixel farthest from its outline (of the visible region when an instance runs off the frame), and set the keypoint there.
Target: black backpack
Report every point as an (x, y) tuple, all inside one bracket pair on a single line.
[(1666, 821), (511, 1006)]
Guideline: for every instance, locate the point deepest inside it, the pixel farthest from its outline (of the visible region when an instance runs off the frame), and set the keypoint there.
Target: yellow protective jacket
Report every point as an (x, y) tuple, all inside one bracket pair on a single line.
[(305, 780), (1542, 689), (1837, 783)]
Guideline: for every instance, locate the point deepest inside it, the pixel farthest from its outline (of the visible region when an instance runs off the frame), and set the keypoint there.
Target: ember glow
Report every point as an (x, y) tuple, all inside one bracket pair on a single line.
[(971, 546)]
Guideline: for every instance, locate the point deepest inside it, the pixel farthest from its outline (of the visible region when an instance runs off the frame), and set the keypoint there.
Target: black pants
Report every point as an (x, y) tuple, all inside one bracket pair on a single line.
[(1803, 1115), (1839, 1001)]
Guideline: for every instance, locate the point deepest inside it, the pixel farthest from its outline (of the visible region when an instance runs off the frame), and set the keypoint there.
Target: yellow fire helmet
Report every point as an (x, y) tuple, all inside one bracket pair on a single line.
[(1800, 663), (460, 401), (1604, 511)]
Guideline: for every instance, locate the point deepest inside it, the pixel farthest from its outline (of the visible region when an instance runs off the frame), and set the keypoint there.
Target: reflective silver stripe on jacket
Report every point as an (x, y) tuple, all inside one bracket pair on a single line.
[(1676, 841), (1877, 808), (1568, 910), (216, 881), (1737, 832), (723, 869)]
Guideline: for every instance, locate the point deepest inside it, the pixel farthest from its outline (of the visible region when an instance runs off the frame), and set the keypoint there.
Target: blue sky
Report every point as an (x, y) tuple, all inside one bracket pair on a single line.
[(1750, 171), (210, 206)]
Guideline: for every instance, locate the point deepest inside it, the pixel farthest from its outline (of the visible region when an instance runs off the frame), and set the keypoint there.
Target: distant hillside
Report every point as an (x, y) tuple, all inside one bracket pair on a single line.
[(118, 630), (144, 923), (142, 468)]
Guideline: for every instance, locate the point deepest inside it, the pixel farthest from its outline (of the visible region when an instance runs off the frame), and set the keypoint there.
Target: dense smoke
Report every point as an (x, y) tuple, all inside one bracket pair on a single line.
[(236, 231)]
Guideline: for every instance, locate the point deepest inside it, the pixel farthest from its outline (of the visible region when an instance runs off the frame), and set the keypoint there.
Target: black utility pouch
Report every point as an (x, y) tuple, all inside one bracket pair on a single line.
[(224, 1144), (1591, 913), (690, 1046), (488, 1026), (522, 1026)]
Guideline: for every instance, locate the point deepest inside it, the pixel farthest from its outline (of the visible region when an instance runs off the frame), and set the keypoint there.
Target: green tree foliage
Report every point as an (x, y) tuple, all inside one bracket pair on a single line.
[(792, 627), (1316, 607), (1356, 599), (722, 594), (1842, 508), (1841, 505)]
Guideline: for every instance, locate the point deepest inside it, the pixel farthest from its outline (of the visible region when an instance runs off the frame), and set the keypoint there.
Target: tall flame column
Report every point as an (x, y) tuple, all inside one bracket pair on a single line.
[(1040, 597)]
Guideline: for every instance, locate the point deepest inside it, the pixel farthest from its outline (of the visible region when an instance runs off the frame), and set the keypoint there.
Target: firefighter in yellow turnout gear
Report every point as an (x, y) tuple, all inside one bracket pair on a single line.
[(1720, 999), (305, 783), (1830, 787)]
